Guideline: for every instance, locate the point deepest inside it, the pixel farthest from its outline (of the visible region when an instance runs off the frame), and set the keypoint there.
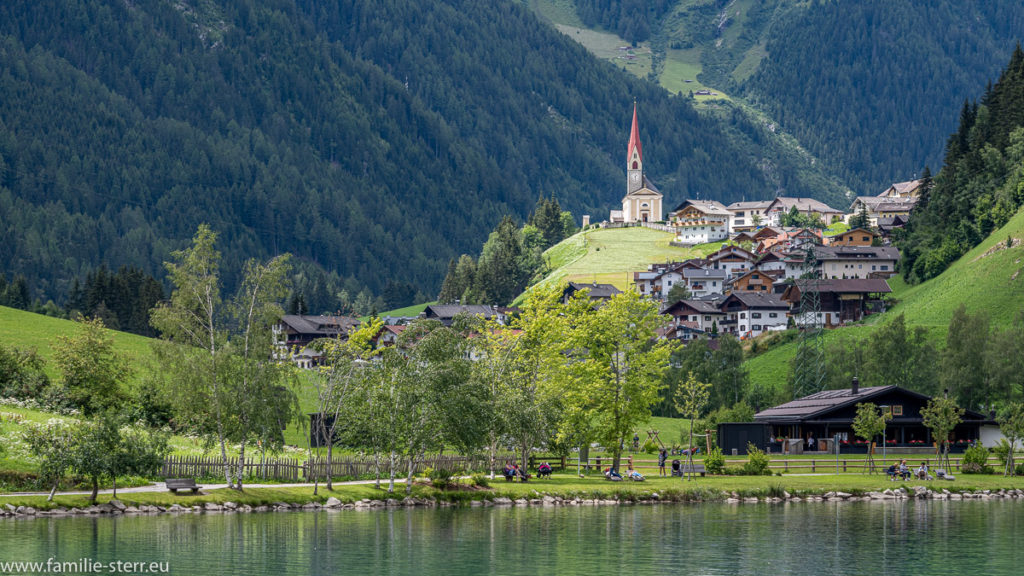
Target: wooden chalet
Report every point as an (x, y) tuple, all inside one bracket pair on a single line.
[(598, 292), (830, 413), (756, 280), (854, 237), (842, 301)]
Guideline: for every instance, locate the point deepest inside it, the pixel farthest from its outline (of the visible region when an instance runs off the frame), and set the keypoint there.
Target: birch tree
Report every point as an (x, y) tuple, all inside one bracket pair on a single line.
[(618, 366), (691, 398), (941, 416)]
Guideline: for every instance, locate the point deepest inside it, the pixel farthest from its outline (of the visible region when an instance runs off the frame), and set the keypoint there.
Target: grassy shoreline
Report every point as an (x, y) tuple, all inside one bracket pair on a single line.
[(563, 486)]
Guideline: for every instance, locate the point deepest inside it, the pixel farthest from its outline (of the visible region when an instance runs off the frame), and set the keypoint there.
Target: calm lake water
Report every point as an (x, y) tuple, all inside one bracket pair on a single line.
[(899, 538)]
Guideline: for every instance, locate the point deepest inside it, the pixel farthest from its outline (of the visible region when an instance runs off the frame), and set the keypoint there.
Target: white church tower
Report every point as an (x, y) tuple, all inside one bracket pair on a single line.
[(642, 202)]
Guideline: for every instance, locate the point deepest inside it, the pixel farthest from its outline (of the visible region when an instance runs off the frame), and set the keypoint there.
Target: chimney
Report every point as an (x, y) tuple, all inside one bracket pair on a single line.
[(856, 386)]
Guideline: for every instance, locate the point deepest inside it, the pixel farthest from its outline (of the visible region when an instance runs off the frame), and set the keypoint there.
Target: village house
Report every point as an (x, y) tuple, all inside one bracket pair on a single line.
[(597, 292), (855, 237), (877, 207), (841, 301), (658, 279), (704, 315), (705, 281), (293, 333), (700, 222), (388, 335), (748, 215), (806, 206), (857, 261), (733, 259), (446, 313), (756, 280), (750, 314), (771, 262)]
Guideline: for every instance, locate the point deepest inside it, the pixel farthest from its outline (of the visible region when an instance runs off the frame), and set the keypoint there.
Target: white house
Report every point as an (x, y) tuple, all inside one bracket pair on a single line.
[(750, 314), (748, 215), (700, 222), (857, 261)]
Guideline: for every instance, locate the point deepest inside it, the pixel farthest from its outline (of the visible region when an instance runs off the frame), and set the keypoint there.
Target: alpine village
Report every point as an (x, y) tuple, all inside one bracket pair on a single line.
[(356, 287)]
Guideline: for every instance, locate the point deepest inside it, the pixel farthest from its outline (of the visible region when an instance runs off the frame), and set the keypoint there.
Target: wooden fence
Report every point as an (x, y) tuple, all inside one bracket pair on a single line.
[(823, 465), (292, 470)]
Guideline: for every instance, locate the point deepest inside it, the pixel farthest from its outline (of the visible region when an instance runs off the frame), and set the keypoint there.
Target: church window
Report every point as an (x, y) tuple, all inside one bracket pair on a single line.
[(635, 165)]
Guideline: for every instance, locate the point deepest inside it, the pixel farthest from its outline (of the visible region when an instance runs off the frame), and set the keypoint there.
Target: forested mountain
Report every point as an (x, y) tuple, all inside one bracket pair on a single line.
[(871, 88), (370, 139), (981, 184)]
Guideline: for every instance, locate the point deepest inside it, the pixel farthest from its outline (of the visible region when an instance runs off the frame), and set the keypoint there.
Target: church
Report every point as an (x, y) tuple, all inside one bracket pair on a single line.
[(642, 202)]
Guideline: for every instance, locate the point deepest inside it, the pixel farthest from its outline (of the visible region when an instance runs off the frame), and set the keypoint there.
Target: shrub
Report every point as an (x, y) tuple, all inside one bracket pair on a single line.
[(976, 461), (650, 447), (1002, 450), (714, 462), (757, 462), (441, 479), (481, 480)]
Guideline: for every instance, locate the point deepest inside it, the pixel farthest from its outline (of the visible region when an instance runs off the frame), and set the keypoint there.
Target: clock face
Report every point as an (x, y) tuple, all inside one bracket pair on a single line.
[(635, 176)]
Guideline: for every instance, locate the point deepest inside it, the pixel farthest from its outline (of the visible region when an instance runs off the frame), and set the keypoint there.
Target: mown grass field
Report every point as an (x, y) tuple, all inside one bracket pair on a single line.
[(26, 330), (611, 255)]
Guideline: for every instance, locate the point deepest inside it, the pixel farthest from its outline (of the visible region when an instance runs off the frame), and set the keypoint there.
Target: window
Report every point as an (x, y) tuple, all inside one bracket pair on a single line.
[(773, 314), (743, 314), (884, 267), (752, 276), (707, 318), (867, 239), (896, 410), (756, 327), (755, 314)]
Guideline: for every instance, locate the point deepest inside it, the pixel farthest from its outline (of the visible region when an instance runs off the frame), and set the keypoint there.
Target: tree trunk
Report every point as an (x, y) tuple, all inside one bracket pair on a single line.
[(376, 469), (408, 480), (95, 489), (330, 460), (391, 472), (241, 466), (53, 490), (224, 456), (525, 455), (114, 495)]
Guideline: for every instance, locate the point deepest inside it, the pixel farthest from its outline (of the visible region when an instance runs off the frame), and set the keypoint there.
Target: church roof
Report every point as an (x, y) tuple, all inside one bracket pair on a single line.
[(634, 139)]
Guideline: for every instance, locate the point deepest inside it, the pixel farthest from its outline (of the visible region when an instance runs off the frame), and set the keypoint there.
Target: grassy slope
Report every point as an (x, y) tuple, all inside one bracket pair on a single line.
[(612, 255), (987, 279), (34, 331)]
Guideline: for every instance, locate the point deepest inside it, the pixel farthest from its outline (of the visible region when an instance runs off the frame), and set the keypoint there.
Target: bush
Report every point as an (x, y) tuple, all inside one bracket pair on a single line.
[(481, 481), (1002, 450), (441, 479), (976, 461), (757, 462), (714, 462)]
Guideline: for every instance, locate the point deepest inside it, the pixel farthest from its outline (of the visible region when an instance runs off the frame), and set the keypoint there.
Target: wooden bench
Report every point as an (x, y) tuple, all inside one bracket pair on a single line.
[(175, 484), (695, 469)]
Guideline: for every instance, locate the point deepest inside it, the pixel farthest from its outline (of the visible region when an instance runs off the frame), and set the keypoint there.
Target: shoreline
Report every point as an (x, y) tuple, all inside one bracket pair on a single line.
[(481, 498)]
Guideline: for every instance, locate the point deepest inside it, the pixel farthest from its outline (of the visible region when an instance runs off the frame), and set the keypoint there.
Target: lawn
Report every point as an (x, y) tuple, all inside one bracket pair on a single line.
[(560, 484), (27, 330), (413, 310), (611, 255)]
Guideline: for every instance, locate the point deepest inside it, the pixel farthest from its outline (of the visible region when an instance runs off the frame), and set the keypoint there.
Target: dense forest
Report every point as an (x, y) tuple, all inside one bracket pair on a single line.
[(362, 137), (869, 86), (630, 19), (981, 184)]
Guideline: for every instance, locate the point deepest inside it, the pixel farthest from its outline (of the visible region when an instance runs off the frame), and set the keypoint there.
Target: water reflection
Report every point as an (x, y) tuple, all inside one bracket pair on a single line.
[(894, 537)]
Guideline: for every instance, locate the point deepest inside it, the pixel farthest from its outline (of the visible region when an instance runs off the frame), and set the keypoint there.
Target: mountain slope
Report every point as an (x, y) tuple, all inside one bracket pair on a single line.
[(342, 132)]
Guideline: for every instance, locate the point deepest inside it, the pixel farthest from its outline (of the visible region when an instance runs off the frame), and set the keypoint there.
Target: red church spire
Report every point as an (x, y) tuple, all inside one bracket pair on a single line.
[(634, 139)]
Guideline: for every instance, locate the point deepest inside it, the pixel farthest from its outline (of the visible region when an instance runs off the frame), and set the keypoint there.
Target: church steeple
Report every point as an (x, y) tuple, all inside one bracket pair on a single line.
[(634, 157)]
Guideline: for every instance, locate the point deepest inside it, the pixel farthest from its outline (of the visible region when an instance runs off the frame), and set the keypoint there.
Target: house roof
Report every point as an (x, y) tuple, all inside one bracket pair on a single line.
[(901, 188), (596, 290), (755, 205), (820, 403), (712, 207), (802, 205), (856, 252), (704, 274), (447, 311), (319, 325), (880, 203), (725, 251), (838, 286), (616, 216), (699, 306), (757, 300)]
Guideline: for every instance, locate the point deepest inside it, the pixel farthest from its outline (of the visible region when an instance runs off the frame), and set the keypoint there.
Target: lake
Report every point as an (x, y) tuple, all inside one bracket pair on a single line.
[(889, 537)]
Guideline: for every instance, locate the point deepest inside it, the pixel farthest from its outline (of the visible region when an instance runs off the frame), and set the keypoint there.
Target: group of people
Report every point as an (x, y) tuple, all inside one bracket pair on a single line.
[(902, 471), (631, 474), (513, 472)]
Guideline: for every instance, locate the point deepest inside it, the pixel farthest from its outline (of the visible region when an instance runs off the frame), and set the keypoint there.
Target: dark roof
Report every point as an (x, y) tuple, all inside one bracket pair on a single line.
[(819, 403), (824, 401), (700, 306), (849, 285), (757, 300), (448, 311), (704, 273), (596, 290), (851, 252), (319, 325)]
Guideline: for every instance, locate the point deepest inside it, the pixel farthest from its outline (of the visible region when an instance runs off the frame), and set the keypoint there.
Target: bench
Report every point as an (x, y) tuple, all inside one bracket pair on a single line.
[(694, 469), (175, 484)]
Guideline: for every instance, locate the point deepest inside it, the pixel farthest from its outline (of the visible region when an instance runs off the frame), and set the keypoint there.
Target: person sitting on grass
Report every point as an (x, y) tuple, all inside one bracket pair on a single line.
[(922, 472), (636, 476)]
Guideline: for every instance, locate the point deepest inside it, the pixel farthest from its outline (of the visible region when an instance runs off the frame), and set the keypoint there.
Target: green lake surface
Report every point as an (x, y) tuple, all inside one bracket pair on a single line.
[(899, 538)]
